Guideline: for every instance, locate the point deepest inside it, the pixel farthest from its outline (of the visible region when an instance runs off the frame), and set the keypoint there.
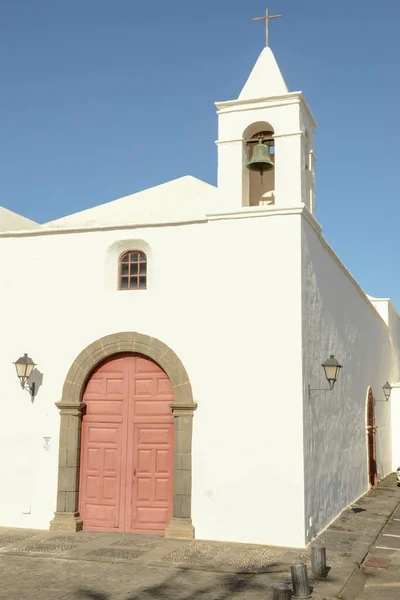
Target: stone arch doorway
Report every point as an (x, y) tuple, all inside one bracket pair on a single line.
[(371, 440), (67, 517)]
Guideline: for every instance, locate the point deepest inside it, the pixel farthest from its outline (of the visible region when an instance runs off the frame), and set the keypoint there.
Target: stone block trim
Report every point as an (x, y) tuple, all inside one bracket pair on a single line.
[(66, 517)]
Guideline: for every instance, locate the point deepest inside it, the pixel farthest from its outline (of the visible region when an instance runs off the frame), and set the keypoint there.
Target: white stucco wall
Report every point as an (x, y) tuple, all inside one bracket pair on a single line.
[(339, 319), (395, 414), (394, 326), (225, 296), (391, 317)]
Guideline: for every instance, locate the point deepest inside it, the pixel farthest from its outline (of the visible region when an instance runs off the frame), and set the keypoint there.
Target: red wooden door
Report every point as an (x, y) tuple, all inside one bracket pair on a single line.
[(371, 441), (126, 481)]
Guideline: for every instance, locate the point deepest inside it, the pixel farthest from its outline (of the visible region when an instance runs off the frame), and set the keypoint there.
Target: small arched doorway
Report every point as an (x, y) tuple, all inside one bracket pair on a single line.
[(371, 440), (127, 447)]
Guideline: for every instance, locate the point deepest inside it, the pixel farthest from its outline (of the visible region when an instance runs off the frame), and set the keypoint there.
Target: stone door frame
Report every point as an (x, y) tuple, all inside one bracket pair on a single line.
[(66, 517), (371, 439)]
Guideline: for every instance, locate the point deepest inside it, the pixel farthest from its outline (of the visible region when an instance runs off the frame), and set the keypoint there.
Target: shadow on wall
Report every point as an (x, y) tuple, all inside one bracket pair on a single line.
[(228, 586), (36, 378)]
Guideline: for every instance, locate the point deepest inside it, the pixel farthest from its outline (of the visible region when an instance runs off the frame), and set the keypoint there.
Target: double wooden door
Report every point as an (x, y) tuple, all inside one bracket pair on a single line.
[(126, 476)]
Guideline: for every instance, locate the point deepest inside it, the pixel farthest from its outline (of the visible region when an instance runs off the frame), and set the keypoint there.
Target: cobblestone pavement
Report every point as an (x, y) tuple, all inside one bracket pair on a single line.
[(145, 550), (112, 566)]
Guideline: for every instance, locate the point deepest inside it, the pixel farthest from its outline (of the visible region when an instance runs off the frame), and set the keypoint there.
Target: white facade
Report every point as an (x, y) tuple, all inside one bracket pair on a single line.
[(250, 298)]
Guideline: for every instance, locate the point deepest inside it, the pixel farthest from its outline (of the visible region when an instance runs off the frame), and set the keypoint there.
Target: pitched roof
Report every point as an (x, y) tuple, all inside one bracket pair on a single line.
[(265, 79), (11, 221), (182, 199)]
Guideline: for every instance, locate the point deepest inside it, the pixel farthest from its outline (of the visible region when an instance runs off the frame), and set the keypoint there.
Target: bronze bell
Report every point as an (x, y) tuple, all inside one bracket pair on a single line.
[(261, 160)]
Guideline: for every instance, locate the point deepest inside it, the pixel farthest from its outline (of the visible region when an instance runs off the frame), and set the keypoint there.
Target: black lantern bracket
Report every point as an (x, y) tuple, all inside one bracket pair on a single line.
[(29, 388), (310, 389)]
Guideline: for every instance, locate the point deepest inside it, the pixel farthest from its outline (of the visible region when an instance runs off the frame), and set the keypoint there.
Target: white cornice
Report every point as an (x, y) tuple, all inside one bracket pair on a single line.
[(258, 103), (242, 140), (220, 142), (250, 212), (103, 227), (270, 99), (311, 220)]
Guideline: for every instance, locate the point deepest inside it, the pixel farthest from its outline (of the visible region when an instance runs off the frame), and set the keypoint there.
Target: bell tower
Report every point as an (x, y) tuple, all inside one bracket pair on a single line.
[(266, 143)]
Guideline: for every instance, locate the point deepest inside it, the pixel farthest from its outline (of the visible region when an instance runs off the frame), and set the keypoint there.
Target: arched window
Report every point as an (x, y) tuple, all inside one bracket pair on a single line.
[(133, 271)]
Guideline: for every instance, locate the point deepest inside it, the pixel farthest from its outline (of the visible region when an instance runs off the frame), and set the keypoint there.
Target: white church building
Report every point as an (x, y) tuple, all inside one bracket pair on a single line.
[(177, 337)]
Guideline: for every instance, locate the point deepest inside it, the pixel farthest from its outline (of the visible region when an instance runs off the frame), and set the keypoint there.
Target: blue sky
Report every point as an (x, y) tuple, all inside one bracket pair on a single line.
[(103, 98)]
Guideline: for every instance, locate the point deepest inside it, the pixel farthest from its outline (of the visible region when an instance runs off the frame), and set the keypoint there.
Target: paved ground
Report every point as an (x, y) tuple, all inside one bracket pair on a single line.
[(145, 550), (379, 577), (58, 579), (128, 567)]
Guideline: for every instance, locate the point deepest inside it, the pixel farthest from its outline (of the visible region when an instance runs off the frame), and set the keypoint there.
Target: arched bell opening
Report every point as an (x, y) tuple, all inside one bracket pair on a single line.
[(259, 165)]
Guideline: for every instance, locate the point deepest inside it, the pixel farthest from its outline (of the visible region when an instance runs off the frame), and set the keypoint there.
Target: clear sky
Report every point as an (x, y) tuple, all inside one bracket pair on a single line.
[(103, 98)]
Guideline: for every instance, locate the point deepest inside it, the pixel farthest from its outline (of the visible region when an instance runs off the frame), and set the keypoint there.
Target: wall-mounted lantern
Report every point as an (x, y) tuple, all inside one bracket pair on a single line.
[(387, 390), (24, 367), (332, 369)]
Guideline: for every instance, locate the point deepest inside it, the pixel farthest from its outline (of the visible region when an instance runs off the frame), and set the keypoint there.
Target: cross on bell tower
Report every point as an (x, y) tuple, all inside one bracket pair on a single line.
[(267, 18)]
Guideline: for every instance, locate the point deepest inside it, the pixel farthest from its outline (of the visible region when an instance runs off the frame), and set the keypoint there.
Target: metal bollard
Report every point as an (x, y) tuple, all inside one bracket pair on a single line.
[(281, 591), (318, 562), (301, 587)]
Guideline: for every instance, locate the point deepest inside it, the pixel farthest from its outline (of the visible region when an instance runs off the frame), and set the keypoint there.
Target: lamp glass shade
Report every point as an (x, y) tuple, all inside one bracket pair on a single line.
[(387, 390), (24, 367), (331, 368)]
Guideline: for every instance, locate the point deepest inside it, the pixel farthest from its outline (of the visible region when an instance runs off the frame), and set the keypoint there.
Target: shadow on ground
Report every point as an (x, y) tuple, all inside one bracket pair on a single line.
[(179, 585)]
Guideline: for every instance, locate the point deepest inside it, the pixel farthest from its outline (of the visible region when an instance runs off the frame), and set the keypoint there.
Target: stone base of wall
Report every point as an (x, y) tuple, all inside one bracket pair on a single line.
[(180, 529), (67, 522)]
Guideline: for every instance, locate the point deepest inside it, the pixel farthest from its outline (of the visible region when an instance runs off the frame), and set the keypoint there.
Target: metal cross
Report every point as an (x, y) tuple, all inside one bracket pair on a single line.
[(267, 18)]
